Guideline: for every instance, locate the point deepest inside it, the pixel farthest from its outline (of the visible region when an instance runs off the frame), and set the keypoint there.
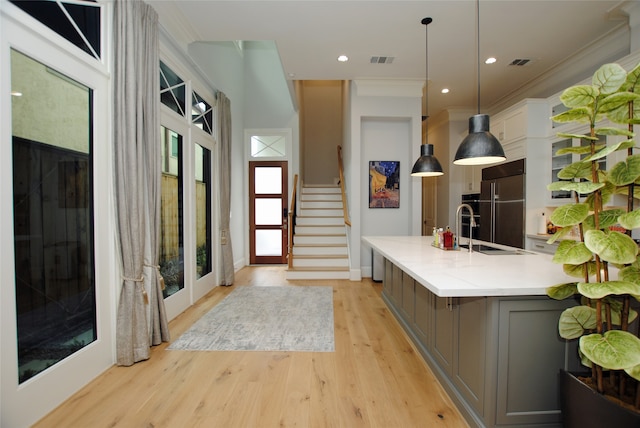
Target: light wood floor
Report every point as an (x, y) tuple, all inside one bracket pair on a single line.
[(375, 378)]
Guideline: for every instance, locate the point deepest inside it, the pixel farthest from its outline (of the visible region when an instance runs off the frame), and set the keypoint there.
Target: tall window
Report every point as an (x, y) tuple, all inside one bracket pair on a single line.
[(203, 211), (171, 232), (53, 215)]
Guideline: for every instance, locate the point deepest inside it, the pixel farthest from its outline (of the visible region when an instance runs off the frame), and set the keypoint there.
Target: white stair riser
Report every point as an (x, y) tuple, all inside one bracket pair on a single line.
[(306, 190), (292, 274), (306, 221), (320, 212), (325, 263), (319, 251), (315, 239), (321, 197), (321, 204), (319, 230)]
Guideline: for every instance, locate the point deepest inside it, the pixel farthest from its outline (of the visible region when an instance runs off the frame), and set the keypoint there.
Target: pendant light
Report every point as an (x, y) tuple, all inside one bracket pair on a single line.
[(479, 147), (427, 165)]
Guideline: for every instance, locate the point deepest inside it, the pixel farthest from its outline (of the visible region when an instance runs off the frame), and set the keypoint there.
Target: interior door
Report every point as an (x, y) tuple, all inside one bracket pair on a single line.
[(268, 212)]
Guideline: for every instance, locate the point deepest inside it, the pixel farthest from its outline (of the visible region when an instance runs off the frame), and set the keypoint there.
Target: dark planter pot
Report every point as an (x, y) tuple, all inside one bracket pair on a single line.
[(582, 407)]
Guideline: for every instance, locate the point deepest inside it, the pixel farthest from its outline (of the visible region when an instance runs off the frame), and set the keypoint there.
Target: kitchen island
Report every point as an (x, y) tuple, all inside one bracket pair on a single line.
[(484, 325)]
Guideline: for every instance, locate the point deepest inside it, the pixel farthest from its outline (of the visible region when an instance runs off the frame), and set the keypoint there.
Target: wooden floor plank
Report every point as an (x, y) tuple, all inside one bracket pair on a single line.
[(375, 377)]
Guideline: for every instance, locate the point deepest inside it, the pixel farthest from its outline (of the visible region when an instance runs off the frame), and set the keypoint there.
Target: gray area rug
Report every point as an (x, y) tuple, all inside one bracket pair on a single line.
[(271, 318)]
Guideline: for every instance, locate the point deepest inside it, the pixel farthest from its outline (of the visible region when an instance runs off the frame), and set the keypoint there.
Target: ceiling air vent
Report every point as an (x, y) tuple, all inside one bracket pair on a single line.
[(382, 59), (520, 62)]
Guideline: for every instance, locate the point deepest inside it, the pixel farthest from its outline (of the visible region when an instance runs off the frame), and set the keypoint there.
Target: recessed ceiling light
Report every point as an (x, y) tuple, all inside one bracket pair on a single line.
[(16, 93), (490, 60), (445, 90), (343, 58), (292, 75)]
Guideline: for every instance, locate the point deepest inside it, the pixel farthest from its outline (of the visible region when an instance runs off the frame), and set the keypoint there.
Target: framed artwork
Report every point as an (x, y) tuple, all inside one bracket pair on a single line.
[(384, 184)]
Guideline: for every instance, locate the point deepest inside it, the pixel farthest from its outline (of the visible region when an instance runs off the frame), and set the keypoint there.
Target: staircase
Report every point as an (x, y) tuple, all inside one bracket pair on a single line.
[(320, 238)]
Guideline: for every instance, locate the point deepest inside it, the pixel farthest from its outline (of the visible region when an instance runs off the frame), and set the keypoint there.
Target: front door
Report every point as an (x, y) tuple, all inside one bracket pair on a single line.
[(268, 212)]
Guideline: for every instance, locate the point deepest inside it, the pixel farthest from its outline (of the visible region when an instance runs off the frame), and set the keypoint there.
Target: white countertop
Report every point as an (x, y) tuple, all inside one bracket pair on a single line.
[(460, 273)]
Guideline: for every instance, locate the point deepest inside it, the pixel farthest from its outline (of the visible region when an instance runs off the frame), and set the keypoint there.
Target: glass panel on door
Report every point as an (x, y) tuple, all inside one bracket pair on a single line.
[(268, 216), (53, 215)]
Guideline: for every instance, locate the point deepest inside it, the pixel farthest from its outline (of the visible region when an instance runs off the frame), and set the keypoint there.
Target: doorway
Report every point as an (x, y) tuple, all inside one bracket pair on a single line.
[(268, 219)]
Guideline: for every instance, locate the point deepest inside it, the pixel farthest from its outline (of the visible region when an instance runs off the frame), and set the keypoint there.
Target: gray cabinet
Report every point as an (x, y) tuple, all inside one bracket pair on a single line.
[(497, 357)]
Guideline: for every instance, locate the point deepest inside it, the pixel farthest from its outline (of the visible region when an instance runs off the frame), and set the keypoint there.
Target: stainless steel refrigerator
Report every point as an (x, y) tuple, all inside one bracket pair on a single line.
[(502, 204)]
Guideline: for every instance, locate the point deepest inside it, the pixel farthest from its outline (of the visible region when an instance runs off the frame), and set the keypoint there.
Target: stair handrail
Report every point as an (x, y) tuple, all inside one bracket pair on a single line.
[(292, 220), (345, 210)]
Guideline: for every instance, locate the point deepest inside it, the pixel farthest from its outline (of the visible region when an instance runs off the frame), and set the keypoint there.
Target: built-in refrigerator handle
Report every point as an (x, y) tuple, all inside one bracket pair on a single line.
[(493, 211)]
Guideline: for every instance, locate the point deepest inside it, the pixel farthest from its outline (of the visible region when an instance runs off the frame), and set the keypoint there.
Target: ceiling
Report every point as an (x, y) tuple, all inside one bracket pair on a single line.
[(309, 36)]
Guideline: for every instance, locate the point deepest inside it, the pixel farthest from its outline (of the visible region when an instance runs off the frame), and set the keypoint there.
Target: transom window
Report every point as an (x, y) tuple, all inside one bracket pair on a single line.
[(201, 113), (78, 21), (172, 90)]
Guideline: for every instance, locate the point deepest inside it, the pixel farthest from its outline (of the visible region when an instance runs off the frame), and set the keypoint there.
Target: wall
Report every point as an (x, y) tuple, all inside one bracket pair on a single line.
[(321, 129), (384, 124)]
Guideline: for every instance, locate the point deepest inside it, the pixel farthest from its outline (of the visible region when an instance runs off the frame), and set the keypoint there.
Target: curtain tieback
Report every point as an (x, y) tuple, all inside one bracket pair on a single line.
[(160, 277), (140, 283)]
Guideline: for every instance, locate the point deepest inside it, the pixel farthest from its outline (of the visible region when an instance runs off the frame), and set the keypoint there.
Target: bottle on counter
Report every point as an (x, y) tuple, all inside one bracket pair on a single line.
[(436, 235), (448, 238)]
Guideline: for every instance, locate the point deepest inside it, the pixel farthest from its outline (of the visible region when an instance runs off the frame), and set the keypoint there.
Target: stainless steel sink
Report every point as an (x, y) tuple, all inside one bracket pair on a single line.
[(485, 249)]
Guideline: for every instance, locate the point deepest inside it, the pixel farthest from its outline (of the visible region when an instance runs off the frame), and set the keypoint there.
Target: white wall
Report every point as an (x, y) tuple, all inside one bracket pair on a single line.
[(384, 124)]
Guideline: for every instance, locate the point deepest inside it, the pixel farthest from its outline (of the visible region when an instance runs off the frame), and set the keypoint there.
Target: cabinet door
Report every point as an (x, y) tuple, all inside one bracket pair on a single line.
[(408, 297), (387, 285), (443, 336), (530, 354), (396, 293), (470, 350), (423, 313)]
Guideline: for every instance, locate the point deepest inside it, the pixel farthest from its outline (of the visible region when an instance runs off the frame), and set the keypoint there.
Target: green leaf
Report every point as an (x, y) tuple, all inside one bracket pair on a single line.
[(609, 78), (560, 233), (609, 217), (630, 220), (605, 151), (615, 349), (606, 193), (580, 115), (575, 170), (569, 215), (579, 150), (616, 101), (579, 136), (562, 291), (607, 130), (579, 96), (630, 273), (575, 321), (633, 80), (613, 247), (572, 252), (582, 187), (626, 171), (634, 372), (598, 290), (577, 271)]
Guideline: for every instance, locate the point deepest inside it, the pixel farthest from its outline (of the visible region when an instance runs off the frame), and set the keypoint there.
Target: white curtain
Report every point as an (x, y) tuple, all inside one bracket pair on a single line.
[(223, 120), (141, 320)]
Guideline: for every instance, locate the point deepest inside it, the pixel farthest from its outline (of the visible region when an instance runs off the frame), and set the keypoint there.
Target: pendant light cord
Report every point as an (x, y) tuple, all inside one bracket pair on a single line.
[(478, 48), (426, 22)]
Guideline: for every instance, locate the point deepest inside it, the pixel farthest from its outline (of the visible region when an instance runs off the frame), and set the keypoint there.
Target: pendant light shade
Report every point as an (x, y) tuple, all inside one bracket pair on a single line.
[(480, 147), (427, 165)]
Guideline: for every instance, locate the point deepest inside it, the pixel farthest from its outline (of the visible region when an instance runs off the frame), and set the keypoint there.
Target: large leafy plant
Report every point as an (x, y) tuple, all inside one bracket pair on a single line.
[(604, 260)]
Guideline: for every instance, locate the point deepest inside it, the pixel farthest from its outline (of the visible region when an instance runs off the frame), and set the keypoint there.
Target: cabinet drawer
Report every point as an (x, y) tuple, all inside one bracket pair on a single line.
[(543, 247)]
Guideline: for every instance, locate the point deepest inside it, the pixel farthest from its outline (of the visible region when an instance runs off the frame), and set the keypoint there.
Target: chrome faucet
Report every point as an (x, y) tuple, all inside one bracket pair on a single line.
[(472, 224)]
